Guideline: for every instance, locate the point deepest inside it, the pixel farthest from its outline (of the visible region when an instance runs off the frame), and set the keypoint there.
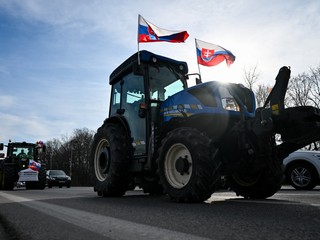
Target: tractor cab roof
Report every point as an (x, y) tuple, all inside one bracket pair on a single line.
[(145, 58), (21, 144)]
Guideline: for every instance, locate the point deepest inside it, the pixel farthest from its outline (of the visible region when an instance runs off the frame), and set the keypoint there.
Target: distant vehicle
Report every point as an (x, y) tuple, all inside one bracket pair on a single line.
[(303, 169), (23, 163), (58, 178)]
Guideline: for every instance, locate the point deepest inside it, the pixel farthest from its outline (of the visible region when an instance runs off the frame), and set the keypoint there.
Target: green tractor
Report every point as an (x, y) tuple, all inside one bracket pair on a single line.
[(22, 164)]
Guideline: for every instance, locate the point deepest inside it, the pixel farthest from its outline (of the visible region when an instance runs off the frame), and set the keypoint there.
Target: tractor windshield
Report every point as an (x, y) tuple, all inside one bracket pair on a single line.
[(22, 152), (164, 82)]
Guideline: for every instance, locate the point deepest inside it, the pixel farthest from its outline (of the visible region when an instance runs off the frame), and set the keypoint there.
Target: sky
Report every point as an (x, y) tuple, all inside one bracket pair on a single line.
[(56, 55)]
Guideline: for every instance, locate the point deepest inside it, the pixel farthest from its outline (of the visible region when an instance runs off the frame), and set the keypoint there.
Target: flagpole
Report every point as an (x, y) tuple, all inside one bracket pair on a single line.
[(195, 41), (138, 55), (138, 40)]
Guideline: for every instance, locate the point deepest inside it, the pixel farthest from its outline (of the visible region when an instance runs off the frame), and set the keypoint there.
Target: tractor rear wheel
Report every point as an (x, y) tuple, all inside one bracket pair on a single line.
[(188, 165), (110, 160)]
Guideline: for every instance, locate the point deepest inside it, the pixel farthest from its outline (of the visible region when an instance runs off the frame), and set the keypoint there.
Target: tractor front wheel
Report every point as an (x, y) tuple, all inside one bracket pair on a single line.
[(9, 173), (110, 159), (41, 184), (258, 185), (188, 165)]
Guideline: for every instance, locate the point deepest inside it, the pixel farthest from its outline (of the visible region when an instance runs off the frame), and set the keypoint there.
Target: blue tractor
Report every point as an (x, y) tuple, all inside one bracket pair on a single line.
[(166, 137)]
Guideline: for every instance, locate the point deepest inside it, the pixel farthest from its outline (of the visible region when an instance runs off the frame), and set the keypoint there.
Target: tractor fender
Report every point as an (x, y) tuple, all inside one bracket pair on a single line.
[(120, 120)]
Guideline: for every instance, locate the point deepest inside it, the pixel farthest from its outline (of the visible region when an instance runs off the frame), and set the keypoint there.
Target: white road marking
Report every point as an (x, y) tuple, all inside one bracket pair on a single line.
[(218, 198), (107, 226)]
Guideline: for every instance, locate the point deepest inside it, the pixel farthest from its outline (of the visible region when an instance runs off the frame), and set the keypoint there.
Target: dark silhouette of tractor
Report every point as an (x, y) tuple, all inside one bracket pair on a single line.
[(167, 138)]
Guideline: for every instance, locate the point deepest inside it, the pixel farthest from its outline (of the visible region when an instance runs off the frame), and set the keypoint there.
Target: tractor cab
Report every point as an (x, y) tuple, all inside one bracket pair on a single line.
[(139, 86), (23, 152)]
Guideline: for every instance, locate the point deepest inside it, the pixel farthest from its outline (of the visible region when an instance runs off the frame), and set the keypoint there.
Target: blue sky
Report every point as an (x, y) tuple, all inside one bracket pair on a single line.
[(56, 56)]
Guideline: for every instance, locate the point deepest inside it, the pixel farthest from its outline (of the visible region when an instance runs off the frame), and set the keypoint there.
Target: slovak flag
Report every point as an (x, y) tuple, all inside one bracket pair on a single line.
[(147, 32), (35, 166), (209, 54)]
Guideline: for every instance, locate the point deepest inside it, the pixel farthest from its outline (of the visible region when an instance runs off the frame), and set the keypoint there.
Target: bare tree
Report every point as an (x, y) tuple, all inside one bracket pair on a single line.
[(81, 141), (298, 90), (57, 155), (314, 95), (71, 154), (250, 76), (262, 93), (304, 90)]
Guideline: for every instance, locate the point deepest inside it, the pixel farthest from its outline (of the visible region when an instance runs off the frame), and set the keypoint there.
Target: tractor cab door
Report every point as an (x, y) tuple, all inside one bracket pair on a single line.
[(127, 95)]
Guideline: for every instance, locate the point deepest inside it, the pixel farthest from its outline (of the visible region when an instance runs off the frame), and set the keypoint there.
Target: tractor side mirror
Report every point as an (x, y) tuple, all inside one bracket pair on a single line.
[(1, 146), (142, 110), (198, 80)]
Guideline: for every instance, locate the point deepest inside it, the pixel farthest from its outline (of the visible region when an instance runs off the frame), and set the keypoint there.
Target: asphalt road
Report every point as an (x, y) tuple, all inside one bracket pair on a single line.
[(78, 213)]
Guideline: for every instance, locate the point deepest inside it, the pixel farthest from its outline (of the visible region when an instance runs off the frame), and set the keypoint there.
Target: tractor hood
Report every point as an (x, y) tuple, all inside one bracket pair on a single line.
[(210, 98)]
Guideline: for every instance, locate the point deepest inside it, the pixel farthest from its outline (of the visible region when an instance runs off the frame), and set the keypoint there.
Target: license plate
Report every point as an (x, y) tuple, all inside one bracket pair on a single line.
[(61, 181)]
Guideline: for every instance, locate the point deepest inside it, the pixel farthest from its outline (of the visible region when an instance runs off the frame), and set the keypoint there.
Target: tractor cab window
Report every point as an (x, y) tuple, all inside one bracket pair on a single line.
[(116, 96), (132, 92), (133, 89), (164, 82)]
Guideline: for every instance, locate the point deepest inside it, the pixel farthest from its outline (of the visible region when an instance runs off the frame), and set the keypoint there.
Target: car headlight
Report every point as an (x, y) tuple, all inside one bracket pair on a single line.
[(69, 178)]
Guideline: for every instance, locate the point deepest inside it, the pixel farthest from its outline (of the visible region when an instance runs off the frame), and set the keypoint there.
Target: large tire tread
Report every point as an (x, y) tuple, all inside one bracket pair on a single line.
[(8, 178), (205, 172), (268, 183), (116, 182)]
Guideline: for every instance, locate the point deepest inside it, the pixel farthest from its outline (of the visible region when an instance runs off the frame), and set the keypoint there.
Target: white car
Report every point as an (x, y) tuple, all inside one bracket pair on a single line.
[(303, 169)]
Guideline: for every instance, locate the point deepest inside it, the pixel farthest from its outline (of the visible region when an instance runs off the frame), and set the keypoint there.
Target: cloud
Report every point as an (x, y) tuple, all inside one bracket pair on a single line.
[(6, 102), (30, 128), (17, 125), (56, 56)]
